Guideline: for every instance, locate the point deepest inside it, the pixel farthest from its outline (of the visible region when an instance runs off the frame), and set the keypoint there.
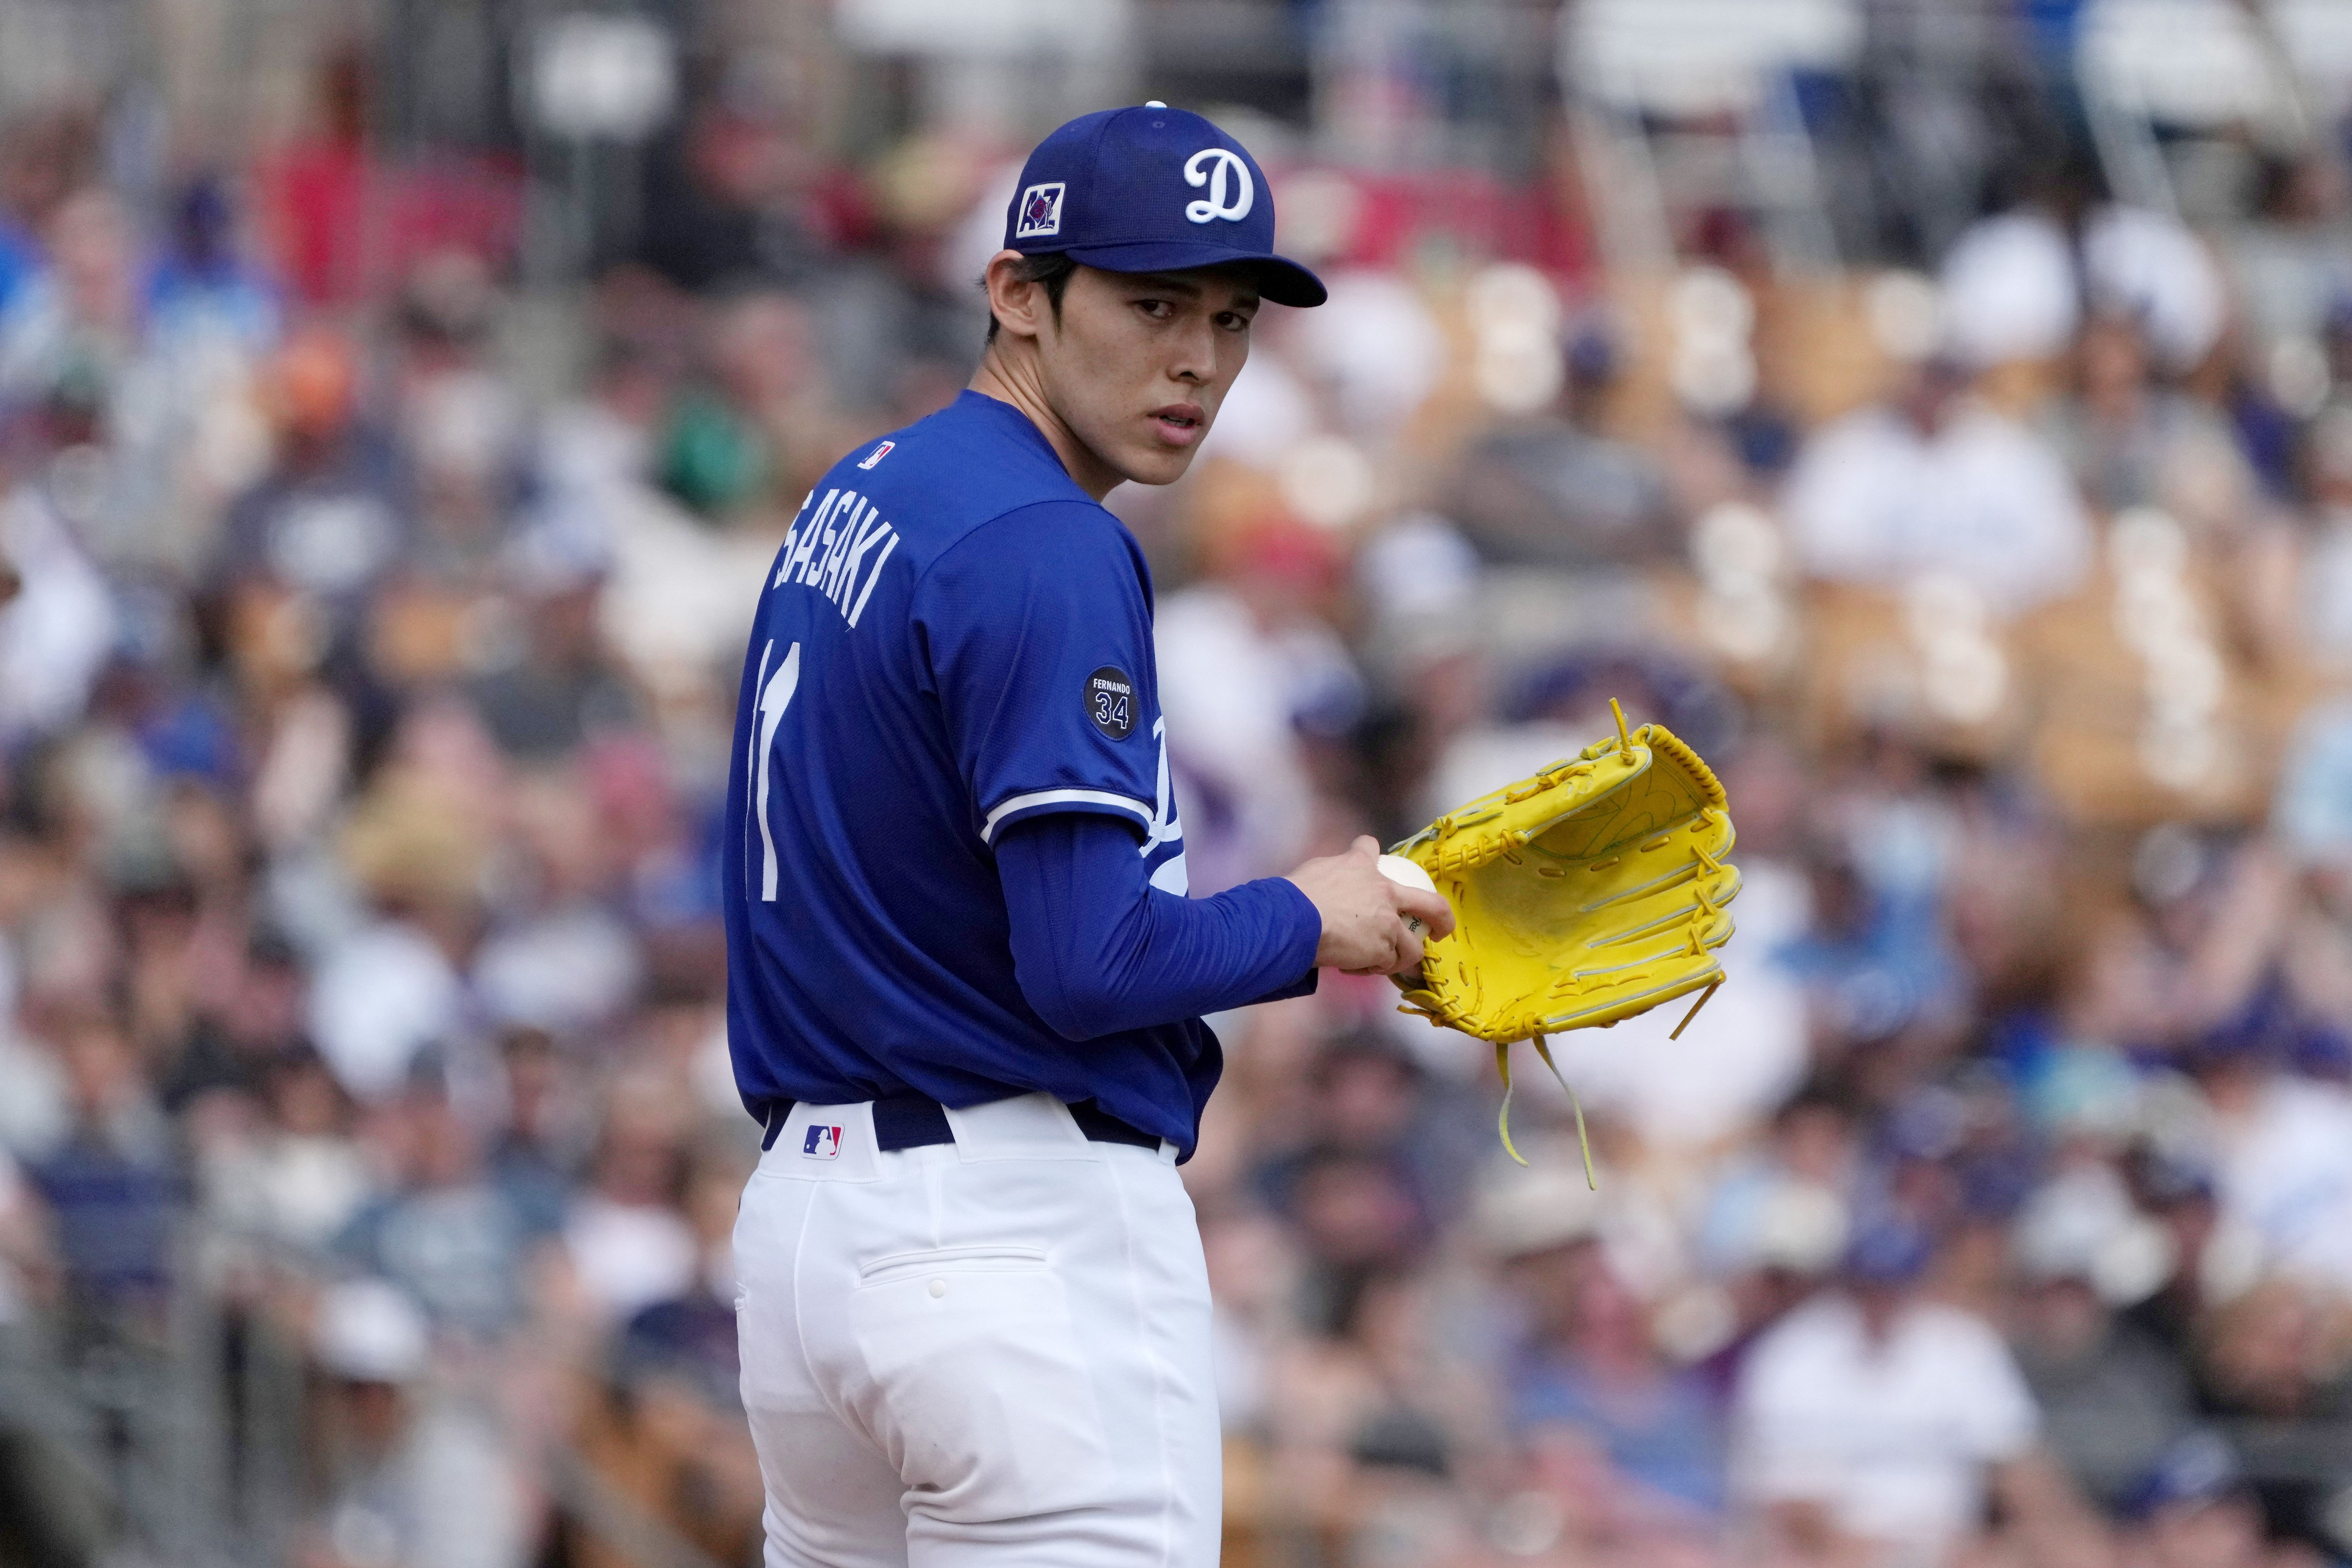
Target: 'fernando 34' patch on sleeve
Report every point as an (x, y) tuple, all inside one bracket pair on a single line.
[(1111, 701)]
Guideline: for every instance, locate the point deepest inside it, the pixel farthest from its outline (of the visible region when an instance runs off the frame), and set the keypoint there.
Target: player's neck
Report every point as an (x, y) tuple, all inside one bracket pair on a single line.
[(1013, 379)]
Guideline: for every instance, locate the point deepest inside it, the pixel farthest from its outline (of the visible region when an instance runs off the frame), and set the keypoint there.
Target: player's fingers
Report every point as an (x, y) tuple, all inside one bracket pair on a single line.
[(1408, 955), (1429, 908), (1386, 962), (1388, 941), (1365, 844)]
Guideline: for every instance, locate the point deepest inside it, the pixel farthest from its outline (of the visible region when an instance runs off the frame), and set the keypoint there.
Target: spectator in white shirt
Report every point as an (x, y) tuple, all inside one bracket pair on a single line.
[(2283, 1157), (1937, 481), (416, 1466), (626, 1234), (1880, 1414)]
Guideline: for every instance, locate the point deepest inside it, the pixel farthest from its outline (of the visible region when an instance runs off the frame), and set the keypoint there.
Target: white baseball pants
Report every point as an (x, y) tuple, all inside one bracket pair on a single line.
[(990, 1353)]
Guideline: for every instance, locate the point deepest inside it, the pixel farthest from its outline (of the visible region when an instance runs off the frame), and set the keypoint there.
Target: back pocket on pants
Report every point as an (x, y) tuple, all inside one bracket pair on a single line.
[(984, 1399)]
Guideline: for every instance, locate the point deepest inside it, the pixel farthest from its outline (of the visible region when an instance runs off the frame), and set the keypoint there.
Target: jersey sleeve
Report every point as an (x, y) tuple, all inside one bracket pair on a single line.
[(1037, 634), (1098, 949)]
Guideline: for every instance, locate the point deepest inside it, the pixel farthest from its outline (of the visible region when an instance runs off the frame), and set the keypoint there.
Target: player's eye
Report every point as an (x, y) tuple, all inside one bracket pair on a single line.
[(1234, 321), (1157, 310)]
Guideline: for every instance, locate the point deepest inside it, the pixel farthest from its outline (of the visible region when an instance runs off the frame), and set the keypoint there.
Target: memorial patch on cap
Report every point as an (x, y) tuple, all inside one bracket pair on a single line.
[(1041, 211)]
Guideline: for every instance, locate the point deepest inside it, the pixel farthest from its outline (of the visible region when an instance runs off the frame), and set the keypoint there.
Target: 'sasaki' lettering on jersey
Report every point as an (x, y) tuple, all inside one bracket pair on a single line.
[(829, 550)]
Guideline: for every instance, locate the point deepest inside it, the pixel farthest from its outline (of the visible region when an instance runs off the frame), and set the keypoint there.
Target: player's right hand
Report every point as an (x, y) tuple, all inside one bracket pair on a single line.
[(1363, 912)]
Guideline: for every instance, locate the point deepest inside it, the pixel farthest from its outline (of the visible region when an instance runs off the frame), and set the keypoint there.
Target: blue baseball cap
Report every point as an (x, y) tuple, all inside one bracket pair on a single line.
[(1888, 1251), (1152, 189), (2197, 1468)]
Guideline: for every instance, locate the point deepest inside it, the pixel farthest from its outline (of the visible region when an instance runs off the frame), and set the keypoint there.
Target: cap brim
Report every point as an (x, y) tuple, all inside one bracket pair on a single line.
[(1278, 279)]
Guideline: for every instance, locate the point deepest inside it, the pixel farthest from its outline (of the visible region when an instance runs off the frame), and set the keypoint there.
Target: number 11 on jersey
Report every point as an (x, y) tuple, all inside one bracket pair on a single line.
[(775, 696)]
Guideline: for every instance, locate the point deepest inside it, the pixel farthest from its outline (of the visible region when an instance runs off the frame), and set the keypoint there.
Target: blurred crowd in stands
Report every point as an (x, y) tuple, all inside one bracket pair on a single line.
[(368, 1147)]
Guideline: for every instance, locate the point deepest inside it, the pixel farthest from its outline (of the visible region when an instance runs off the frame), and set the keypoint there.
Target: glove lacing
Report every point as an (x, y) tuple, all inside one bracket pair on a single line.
[(1503, 1121)]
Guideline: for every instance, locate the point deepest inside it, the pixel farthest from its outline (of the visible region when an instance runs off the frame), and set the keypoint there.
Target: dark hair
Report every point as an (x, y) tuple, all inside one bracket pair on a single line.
[(1053, 270)]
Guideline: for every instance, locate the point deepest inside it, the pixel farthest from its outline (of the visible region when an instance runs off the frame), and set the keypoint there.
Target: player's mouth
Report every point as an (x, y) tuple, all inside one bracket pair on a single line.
[(1181, 424)]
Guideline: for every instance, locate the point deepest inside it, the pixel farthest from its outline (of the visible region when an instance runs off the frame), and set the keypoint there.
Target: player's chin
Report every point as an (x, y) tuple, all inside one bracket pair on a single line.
[(1153, 462)]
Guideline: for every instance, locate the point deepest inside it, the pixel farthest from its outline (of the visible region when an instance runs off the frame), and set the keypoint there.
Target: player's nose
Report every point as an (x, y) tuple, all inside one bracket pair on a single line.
[(1194, 357)]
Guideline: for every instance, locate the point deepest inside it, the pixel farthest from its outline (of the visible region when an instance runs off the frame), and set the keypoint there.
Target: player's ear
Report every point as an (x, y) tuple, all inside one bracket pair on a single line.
[(1019, 305)]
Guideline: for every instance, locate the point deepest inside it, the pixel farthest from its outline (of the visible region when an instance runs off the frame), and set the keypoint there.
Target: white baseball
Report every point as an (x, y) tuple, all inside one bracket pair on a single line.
[(1396, 869)]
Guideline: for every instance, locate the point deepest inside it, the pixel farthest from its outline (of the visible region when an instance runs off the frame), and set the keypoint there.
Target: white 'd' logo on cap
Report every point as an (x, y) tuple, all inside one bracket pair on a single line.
[(1214, 177)]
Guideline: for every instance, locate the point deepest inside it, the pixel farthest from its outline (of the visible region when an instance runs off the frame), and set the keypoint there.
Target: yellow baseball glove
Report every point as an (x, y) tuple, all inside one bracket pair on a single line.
[(1590, 892)]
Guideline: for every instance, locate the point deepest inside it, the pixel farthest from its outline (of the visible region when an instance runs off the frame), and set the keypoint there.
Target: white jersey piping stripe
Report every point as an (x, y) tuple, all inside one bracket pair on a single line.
[(1061, 797)]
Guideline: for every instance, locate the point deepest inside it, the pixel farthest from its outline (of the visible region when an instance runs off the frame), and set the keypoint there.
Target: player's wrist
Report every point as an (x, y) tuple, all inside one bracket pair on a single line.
[(1302, 921)]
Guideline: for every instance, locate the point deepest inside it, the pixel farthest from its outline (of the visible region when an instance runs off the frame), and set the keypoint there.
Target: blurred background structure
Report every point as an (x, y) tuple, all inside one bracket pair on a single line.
[(1938, 411)]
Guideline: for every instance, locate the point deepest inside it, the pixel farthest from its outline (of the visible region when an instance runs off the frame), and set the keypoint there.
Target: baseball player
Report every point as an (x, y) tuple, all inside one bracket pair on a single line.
[(965, 981)]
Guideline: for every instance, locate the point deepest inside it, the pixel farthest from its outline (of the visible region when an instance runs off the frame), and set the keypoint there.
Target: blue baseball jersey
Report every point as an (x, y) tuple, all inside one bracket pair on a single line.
[(953, 637)]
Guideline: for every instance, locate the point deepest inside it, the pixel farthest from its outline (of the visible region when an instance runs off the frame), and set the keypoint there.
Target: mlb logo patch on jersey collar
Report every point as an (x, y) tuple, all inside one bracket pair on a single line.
[(876, 455), (1041, 211), (821, 1143)]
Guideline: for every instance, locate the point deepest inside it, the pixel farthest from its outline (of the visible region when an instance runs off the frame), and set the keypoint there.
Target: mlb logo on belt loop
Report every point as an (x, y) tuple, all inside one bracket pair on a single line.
[(876, 455), (1041, 211), (821, 1143)]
